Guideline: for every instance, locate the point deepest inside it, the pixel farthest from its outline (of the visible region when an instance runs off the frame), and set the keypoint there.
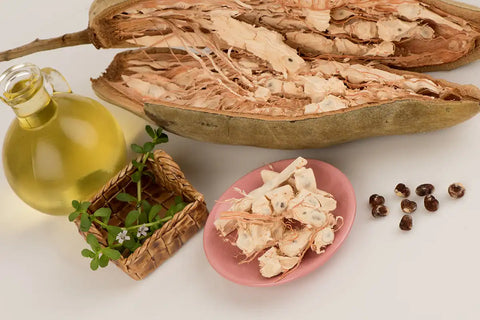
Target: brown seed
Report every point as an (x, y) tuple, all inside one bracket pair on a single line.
[(408, 206), (456, 190), (431, 204), (424, 189), (402, 190), (406, 223), (376, 200), (380, 211)]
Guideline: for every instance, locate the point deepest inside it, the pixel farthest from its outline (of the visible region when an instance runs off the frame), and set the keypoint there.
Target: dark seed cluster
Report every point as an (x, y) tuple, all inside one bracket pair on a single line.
[(377, 202), (430, 202), (379, 209)]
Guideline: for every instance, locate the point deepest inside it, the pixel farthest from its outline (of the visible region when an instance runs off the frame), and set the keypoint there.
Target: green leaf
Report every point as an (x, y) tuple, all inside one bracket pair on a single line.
[(162, 138), (85, 222), (93, 242), (154, 212), (138, 165), (180, 206), (132, 216), (131, 245), (136, 176), (178, 200), (150, 131), (146, 205), (111, 238), (136, 148), (103, 261), (102, 212), (94, 264), (114, 230), (112, 253), (84, 206), (112, 234), (148, 146), (142, 218), (107, 218), (76, 204), (73, 215), (88, 253), (125, 197), (175, 208)]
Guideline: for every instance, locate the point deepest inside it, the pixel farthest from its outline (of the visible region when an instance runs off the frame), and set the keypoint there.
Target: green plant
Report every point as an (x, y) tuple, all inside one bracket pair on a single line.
[(140, 223)]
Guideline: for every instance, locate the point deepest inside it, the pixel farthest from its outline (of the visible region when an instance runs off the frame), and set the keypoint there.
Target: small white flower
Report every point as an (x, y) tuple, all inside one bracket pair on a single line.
[(122, 236), (142, 231)]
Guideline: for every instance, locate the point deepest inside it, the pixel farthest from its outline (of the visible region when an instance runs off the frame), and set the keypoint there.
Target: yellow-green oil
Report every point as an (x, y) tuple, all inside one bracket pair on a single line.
[(75, 149)]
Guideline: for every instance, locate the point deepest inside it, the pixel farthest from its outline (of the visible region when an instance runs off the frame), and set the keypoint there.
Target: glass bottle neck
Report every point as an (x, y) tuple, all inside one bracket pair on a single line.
[(36, 111), (23, 90)]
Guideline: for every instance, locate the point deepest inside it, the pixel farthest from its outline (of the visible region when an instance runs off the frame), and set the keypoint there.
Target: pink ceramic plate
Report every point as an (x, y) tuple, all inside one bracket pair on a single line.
[(225, 257)]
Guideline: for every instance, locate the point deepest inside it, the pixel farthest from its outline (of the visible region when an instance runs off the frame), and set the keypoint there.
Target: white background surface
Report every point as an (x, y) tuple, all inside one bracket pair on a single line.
[(380, 272)]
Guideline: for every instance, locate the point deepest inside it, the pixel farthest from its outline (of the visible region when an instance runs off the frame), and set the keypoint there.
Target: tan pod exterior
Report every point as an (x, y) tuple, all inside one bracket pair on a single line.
[(313, 131)]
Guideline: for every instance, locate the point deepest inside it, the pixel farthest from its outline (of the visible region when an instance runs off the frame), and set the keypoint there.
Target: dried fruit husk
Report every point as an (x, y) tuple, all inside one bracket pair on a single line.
[(462, 10), (455, 43), (309, 131), (110, 26), (249, 122)]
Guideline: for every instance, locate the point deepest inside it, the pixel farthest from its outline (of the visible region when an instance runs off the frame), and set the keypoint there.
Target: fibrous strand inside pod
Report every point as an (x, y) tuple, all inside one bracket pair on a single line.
[(285, 58), (405, 33), (243, 83)]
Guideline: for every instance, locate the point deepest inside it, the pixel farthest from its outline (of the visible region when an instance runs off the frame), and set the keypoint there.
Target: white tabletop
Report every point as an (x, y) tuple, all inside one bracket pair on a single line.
[(380, 272)]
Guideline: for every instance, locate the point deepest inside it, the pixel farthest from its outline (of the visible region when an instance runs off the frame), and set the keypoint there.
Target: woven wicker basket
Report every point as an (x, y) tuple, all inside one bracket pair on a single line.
[(164, 242)]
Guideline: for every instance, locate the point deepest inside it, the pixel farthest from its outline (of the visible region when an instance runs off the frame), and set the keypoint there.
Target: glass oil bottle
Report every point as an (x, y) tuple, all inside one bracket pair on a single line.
[(61, 146)]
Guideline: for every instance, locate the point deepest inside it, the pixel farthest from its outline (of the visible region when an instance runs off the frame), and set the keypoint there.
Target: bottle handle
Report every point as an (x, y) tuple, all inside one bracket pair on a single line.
[(56, 80)]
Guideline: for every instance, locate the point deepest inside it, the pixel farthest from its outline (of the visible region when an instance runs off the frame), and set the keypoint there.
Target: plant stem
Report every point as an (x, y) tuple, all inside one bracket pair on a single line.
[(165, 219), (67, 40), (139, 194), (147, 224), (104, 225), (139, 183)]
